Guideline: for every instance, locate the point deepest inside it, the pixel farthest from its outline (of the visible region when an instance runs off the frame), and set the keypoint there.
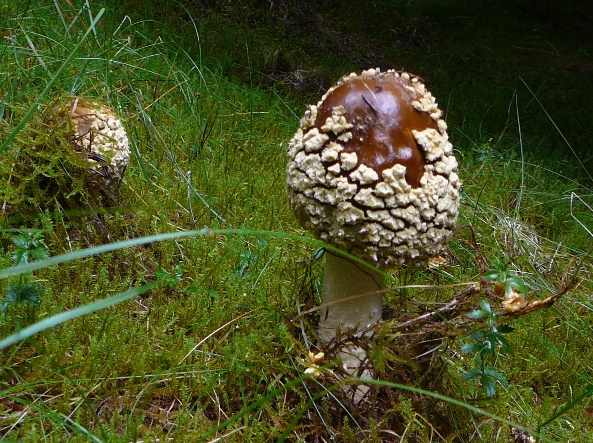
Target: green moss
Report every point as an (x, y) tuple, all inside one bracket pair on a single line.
[(41, 170)]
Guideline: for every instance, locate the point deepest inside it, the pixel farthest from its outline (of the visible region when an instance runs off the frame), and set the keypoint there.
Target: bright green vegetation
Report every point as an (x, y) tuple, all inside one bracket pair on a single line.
[(197, 333)]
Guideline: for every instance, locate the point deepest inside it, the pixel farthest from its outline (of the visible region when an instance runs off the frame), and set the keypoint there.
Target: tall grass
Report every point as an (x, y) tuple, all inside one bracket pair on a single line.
[(178, 314)]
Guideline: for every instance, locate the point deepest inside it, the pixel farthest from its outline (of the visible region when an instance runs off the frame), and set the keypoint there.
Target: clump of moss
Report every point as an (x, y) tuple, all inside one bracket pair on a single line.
[(43, 169)]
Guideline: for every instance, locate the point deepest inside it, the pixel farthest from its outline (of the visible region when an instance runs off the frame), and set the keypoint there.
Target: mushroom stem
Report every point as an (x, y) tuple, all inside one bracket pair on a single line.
[(343, 279)]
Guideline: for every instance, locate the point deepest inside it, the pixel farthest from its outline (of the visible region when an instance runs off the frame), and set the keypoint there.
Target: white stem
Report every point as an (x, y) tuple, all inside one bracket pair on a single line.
[(343, 279)]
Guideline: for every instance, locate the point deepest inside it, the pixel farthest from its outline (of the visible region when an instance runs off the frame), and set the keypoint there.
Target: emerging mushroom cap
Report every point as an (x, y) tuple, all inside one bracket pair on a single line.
[(371, 170), (101, 137)]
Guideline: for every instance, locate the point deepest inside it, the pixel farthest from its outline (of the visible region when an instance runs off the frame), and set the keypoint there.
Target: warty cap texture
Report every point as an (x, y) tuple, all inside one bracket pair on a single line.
[(372, 172), (102, 138)]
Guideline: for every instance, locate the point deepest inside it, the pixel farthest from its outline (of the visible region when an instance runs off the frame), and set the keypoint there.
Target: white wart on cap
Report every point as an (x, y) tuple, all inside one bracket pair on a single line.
[(371, 170), (101, 137)]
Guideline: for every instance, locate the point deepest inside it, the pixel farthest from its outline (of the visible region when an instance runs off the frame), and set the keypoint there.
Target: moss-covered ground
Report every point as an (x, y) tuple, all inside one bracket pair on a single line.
[(208, 333)]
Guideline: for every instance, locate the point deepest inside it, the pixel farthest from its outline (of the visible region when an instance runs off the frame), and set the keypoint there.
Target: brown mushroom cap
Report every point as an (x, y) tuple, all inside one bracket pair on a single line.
[(371, 170), (382, 119)]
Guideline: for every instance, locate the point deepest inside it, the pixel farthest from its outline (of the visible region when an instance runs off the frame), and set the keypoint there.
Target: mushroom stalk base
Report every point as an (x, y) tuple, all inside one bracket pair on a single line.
[(349, 319)]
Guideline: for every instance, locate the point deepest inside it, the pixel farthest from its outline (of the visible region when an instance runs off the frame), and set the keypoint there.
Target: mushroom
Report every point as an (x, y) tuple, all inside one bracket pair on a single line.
[(372, 173), (100, 136)]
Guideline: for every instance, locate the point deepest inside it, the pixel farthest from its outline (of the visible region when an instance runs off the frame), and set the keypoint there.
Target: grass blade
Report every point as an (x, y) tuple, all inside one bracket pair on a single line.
[(63, 317), (110, 247), (567, 407), (578, 158), (455, 402), (50, 84)]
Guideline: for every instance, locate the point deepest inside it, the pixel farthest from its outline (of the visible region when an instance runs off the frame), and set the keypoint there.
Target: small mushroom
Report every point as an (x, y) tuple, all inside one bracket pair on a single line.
[(371, 172), (101, 137)]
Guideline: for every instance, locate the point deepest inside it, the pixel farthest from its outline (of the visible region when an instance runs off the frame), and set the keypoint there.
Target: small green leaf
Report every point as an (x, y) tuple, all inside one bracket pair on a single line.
[(20, 241), (489, 385), (502, 268), (246, 264), (29, 246), (478, 336), (470, 375), (27, 294), (167, 278), (161, 274), (178, 271), (471, 348), (477, 314), (485, 306), (478, 360), (504, 344), (499, 272), (491, 372), (491, 274), (20, 257), (517, 282), (39, 253), (212, 293)]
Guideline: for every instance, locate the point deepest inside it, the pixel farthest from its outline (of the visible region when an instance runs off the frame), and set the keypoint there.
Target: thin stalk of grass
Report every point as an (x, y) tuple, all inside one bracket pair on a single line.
[(126, 295), (110, 247), (588, 392), (313, 402), (79, 429), (201, 342), (415, 390), (61, 15), (256, 404), (573, 197), (63, 317), (34, 50), (455, 402), (121, 297), (558, 129), (34, 107), (39, 406), (522, 188), (301, 412)]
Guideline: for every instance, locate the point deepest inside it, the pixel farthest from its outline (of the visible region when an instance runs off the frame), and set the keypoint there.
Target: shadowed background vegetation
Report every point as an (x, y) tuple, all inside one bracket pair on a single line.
[(210, 93), (480, 59)]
